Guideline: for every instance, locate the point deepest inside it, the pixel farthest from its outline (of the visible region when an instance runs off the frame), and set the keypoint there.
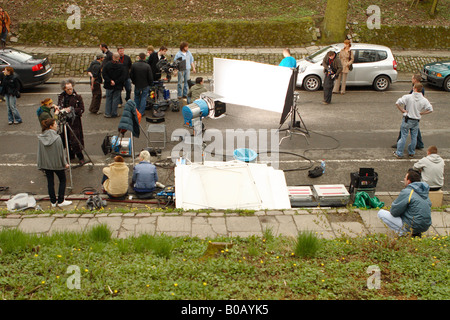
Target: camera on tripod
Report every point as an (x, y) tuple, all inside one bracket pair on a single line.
[(65, 116), (170, 67)]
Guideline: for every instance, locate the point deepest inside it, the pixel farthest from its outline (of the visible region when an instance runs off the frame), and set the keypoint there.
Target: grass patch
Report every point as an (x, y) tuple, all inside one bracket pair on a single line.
[(268, 267), (307, 244)]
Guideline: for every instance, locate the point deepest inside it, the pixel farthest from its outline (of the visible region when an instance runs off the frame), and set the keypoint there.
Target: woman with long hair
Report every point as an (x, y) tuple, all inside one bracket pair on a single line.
[(52, 160), (11, 91)]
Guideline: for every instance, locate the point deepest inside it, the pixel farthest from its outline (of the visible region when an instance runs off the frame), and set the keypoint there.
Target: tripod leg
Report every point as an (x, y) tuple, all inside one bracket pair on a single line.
[(68, 156), (79, 143)]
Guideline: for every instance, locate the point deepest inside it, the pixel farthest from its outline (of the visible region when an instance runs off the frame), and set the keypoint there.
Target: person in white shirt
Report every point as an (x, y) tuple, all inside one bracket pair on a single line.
[(431, 168), (412, 106)]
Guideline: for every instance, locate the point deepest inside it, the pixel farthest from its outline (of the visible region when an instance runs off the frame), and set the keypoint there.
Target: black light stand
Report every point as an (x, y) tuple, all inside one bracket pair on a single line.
[(294, 126)]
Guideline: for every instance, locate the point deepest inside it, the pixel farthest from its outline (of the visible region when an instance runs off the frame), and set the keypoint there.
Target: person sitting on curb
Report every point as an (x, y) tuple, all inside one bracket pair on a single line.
[(432, 169), (197, 89), (144, 177), (115, 179), (411, 211)]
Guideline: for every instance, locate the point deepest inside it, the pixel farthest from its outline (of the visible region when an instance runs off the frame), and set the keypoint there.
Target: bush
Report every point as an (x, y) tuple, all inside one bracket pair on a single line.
[(307, 244), (100, 233)]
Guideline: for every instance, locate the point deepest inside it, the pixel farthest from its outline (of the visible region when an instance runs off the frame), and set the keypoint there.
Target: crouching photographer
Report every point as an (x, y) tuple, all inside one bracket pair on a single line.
[(70, 110)]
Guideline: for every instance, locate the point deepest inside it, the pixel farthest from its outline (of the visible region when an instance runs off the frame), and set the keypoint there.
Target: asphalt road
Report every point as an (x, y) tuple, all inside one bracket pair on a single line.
[(356, 130)]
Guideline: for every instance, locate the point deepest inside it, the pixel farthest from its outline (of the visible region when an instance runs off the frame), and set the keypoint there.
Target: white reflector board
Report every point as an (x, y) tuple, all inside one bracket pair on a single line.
[(230, 185), (251, 84)]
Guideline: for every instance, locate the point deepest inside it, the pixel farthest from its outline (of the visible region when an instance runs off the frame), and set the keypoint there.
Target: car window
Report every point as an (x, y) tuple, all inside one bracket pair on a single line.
[(18, 56), (369, 55), (319, 55)]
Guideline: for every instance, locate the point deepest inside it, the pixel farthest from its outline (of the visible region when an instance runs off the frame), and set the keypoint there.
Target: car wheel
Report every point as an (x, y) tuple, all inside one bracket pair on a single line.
[(312, 83), (381, 83), (447, 84)]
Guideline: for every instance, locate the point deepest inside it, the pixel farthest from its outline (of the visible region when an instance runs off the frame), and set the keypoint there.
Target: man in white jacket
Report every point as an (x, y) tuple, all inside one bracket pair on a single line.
[(412, 106), (432, 169)]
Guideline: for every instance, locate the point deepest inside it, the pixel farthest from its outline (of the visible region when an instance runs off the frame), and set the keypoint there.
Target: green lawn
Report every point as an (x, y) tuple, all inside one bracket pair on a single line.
[(267, 268)]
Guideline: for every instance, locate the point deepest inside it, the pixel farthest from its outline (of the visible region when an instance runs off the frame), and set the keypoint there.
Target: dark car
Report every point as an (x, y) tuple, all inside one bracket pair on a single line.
[(437, 74), (31, 70)]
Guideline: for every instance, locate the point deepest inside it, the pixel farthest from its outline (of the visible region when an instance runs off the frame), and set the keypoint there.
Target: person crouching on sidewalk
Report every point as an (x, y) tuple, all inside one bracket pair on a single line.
[(411, 211)]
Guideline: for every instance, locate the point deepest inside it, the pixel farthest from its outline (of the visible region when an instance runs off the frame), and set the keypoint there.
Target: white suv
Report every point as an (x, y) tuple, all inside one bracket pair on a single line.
[(374, 65)]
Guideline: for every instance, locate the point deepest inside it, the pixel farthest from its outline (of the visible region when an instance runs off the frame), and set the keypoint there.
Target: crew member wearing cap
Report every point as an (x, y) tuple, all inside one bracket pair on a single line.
[(95, 74)]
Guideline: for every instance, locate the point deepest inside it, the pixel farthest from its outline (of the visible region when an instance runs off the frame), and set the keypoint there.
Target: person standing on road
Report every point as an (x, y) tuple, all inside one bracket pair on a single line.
[(347, 58), (6, 23), (411, 211), (95, 76), (71, 109), (114, 75), (412, 106), (108, 54), (126, 61), (153, 59), (432, 169), (288, 60), (44, 112), (51, 159), (142, 78), (415, 79), (184, 72), (332, 67), (10, 90)]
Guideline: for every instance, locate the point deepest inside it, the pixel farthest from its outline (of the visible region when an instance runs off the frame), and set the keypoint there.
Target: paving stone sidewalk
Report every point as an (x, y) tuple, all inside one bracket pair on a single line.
[(329, 223), (73, 62)]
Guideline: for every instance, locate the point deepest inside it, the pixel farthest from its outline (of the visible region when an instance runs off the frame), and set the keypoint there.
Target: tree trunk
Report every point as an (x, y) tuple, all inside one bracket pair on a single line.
[(433, 7), (335, 21)]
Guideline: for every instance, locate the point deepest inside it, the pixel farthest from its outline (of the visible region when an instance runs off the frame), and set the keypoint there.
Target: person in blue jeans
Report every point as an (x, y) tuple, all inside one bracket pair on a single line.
[(10, 90), (412, 106), (420, 145), (144, 177), (184, 72), (142, 77)]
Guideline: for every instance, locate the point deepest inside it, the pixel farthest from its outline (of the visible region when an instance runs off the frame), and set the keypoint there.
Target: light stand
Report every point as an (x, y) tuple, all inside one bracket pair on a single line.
[(294, 126)]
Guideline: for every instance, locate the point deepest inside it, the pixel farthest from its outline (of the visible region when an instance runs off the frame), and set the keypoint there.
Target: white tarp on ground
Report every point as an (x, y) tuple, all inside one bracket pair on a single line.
[(230, 185)]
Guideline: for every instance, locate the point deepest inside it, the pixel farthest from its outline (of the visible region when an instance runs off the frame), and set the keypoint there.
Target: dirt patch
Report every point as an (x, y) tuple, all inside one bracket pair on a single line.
[(350, 216)]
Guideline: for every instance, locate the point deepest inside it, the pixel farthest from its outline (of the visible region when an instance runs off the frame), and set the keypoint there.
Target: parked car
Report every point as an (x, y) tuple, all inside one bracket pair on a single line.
[(374, 65), (32, 70), (437, 74)]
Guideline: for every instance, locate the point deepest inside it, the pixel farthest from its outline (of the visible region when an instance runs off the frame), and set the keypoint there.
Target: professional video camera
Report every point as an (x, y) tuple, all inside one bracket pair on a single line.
[(169, 67), (65, 116)]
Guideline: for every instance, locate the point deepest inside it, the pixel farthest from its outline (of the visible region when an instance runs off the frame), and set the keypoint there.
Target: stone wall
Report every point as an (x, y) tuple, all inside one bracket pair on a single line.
[(74, 65)]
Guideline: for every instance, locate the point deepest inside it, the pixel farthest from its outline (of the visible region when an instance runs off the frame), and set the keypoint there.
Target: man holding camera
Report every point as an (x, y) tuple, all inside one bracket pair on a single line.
[(412, 106), (332, 67), (71, 109)]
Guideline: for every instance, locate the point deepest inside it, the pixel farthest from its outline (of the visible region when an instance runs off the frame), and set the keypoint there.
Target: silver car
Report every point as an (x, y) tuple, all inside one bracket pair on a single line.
[(374, 65)]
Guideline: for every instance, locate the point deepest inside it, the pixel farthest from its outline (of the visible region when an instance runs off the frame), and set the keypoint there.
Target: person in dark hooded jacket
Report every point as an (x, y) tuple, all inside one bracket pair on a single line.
[(411, 211), (129, 120), (114, 76), (51, 159)]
